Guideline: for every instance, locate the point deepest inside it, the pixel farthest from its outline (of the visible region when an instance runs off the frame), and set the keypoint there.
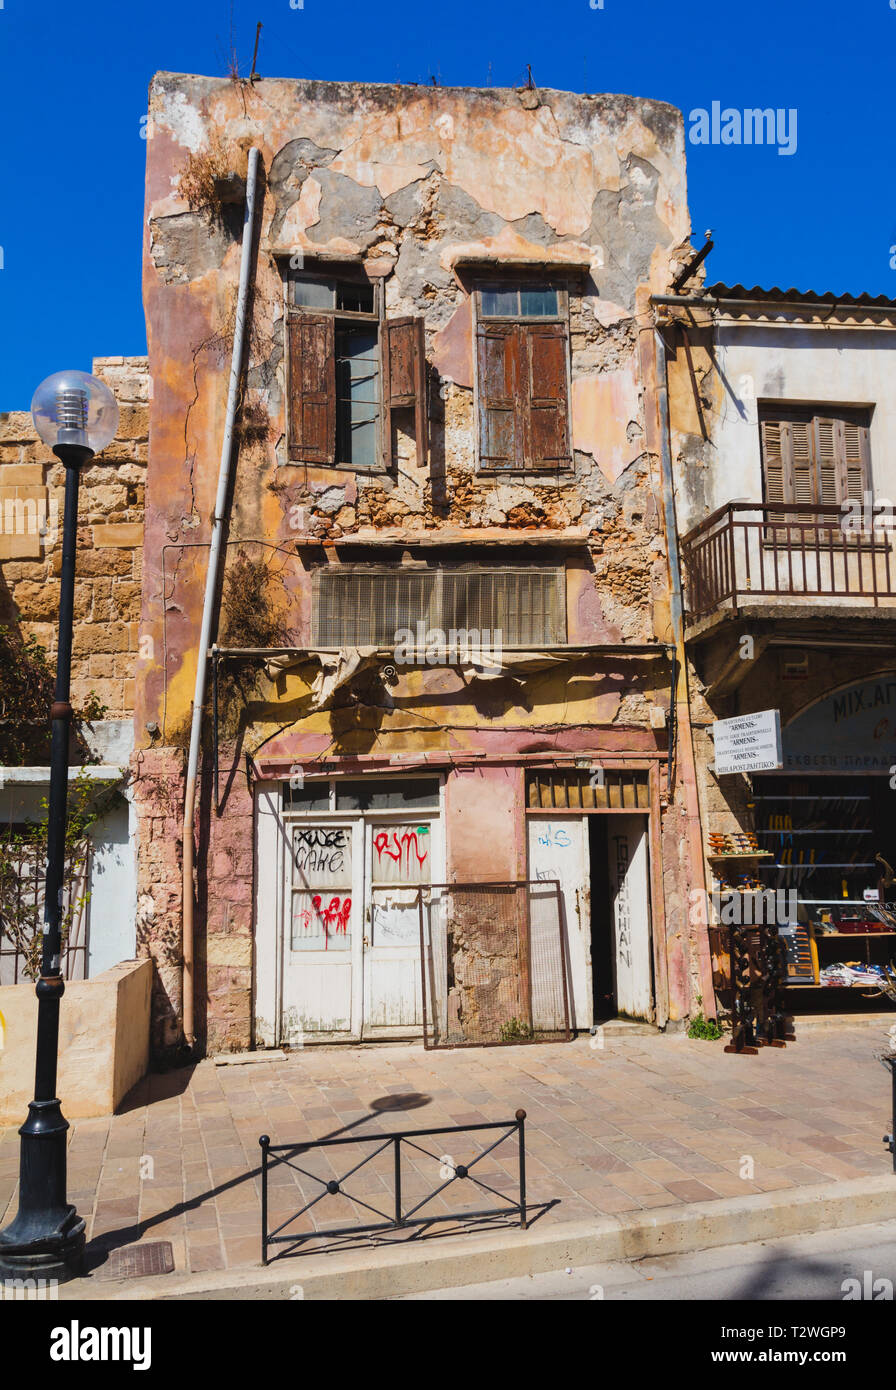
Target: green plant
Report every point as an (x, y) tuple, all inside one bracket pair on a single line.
[(705, 1028), (515, 1029)]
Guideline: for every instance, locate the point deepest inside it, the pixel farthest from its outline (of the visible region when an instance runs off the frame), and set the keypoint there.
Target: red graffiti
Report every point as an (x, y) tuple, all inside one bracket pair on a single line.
[(403, 845), (334, 917)]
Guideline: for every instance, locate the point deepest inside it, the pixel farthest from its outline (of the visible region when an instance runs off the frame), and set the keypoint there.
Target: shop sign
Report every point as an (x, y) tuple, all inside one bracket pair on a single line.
[(853, 730), (749, 743)]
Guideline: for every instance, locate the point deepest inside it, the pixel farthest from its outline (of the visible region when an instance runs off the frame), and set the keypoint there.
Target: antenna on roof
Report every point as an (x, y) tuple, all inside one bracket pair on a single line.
[(253, 75), (529, 79)]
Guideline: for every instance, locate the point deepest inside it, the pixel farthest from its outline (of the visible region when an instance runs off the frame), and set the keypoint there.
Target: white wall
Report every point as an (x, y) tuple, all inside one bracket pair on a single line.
[(760, 363)]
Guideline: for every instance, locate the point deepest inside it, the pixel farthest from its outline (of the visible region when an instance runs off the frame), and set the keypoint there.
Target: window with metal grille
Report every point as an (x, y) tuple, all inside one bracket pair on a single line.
[(369, 606)]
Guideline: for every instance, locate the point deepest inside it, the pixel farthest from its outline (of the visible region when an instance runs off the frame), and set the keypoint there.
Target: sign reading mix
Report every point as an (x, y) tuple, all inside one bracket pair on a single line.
[(749, 743)]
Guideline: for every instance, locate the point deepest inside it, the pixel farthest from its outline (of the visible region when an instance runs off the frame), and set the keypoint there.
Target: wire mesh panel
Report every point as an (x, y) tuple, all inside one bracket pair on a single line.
[(23, 869), (493, 961)]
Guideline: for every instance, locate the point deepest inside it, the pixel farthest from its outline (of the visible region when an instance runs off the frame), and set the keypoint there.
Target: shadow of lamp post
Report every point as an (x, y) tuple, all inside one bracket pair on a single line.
[(77, 416)]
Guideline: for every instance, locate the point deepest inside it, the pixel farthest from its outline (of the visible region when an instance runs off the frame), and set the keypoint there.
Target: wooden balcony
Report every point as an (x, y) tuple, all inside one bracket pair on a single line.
[(785, 553)]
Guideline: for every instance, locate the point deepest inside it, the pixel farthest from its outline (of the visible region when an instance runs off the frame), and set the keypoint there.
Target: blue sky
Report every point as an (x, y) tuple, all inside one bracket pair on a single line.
[(75, 79)]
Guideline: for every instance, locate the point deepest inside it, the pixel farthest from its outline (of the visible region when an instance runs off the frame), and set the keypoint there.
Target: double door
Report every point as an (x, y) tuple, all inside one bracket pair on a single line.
[(351, 929)]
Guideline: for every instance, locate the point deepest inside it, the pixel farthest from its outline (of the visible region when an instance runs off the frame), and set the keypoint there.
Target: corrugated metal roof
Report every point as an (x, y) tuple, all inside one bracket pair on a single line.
[(779, 296)]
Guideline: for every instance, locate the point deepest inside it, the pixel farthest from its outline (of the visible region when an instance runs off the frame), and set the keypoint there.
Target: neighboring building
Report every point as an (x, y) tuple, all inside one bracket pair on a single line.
[(449, 423), (784, 447), (107, 608)]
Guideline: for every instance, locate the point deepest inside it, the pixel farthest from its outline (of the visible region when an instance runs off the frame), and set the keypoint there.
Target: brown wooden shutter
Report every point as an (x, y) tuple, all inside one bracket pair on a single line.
[(802, 461), (853, 451), (547, 424), (312, 388), (775, 465), (499, 378), (404, 372)]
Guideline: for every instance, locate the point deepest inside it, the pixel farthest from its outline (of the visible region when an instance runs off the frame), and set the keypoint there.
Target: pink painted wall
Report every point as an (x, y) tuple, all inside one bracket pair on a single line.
[(485, 824)]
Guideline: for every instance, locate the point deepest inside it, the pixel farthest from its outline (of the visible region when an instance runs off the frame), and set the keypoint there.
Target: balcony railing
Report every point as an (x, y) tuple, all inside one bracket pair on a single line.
[(786, 551)]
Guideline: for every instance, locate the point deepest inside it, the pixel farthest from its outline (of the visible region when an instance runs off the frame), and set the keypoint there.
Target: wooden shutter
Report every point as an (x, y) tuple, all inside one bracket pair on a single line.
[(547, 409), (499, 378), (312, 388), (802, 461), (854, 471), (775, 466), (828, 461), (404, 371), (820, 459)]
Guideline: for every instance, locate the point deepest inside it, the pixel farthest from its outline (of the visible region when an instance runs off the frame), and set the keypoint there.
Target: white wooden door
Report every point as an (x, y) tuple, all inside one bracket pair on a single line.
[(323, 930), (399, 857), (627, 865), (558, 849)]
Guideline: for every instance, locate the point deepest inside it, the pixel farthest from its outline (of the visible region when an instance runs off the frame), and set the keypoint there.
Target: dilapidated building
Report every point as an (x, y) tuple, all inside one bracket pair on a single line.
[(441, 666)]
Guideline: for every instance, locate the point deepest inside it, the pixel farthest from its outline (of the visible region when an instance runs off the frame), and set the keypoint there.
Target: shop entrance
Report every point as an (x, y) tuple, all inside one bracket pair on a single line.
[(828, 845)]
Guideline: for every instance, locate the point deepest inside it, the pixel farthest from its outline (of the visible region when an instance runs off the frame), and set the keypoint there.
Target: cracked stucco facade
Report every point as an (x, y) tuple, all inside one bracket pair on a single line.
[(416, 184)]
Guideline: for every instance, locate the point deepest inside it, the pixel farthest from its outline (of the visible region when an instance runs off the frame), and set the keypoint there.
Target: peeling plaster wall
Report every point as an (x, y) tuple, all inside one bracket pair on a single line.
[(412, 180)]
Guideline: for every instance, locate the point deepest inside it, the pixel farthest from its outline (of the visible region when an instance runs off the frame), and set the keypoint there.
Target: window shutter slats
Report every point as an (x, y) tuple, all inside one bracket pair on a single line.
[(499, 380), (813, 458), (773, 447), (828, 462), (854, 454), (802, 469), (312, 388), (548, 431)]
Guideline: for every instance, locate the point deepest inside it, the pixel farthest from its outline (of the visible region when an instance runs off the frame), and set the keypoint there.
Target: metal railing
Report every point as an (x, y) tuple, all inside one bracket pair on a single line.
[(398, 1219), (746, 550)]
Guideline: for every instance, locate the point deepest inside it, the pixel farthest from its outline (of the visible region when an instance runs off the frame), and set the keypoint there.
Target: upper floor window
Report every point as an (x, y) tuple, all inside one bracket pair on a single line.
[(348, 369), (522, 377), (815, 455)]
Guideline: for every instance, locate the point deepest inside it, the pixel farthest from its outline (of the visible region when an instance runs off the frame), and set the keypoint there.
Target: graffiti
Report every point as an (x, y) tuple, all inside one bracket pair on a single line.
[(623, 903), (555, 836), (400, 848), (333, 918), (320, 851)]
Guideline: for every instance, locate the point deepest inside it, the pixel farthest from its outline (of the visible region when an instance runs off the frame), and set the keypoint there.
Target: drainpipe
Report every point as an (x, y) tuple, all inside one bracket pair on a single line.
[(211, 590), (682, 706)]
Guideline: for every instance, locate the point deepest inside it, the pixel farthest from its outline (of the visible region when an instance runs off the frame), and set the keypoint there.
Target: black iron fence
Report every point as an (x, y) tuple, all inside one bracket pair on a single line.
[(400, 1216)]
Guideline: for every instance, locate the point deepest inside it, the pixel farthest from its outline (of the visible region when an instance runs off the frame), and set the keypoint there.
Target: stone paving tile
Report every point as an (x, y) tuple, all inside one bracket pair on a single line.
[(640, 1123)]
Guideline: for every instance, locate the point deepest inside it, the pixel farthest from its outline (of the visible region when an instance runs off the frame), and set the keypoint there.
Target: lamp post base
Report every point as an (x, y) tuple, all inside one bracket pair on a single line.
[(46, 1238)]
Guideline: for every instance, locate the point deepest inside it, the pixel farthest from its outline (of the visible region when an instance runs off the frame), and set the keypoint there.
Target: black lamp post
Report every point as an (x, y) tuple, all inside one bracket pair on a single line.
[(76, 415)]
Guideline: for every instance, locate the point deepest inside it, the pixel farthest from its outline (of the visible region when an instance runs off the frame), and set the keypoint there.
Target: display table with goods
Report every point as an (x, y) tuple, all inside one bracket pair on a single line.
[(830, 841)]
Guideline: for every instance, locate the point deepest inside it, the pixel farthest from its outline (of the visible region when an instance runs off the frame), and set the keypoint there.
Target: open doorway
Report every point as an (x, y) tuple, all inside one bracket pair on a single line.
[(621, 956), (603, 982)]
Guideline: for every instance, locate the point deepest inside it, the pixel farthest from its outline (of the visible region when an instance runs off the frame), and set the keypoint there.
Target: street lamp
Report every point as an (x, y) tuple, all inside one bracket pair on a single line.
[(77, 416)]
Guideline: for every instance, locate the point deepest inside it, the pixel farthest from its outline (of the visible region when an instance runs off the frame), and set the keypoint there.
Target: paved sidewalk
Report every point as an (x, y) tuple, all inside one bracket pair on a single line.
[(644, 1122)]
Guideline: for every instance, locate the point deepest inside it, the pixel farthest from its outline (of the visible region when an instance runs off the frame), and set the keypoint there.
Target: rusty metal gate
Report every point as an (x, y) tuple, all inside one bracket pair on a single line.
[(493, 958)]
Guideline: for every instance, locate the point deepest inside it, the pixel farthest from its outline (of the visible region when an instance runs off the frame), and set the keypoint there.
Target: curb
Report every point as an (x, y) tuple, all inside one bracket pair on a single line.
[(454, 1261)]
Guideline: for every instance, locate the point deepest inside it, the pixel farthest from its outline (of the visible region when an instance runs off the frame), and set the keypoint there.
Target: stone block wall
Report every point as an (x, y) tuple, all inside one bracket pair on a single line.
[(110, 541)]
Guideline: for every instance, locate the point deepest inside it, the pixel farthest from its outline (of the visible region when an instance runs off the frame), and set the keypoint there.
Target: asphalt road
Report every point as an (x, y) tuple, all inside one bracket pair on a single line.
[(814, 1267)]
